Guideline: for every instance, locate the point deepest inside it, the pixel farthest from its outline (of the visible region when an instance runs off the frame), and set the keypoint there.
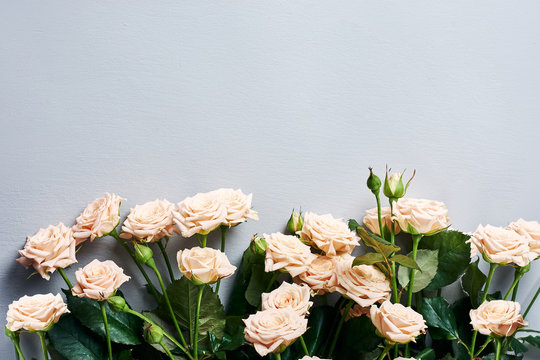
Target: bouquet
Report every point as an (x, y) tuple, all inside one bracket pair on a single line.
[(326, 289)]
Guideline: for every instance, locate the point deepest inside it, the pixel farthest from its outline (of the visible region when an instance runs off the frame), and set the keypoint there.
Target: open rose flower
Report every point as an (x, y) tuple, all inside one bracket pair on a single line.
[(149, 222), (288, 296), (204, 265), (319, 275), (421, 216), (199, 214), (502, 246), (271, 331), (327, 233), (98, 280), (529, 229), (35, 313), (397, 323), (286, 252), (48, 250), (237, 205), (98, 219), (371, 220), (499, 317)]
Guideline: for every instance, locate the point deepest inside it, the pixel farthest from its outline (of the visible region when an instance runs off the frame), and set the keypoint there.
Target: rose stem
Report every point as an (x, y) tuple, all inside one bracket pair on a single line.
[(166, 334), (379, 215), (166, 257), (531, 303), (338, 330), (393, 270), (492, 267), (203, 242), (304, 345), (166, 349), (416, 240), (278, 356), (272, 280), (385, 351), (18, 350), (514, 286), (223, 231), (122, 242), (105, 322), (61, 271), (196, 334), (498, 353), (486, 343)]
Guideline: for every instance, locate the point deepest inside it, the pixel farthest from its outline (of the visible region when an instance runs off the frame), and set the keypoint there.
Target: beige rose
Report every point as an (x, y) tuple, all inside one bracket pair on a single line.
[(371, 220), (365, 284), (98, 280), (98, 219), (48, 250), (529, 229), (327, 233), (319, 275), (150, 222), (421, 216), (237, 204), (35, 313), (397, 323), (500, 317), (286, 252), (502, 246), (204, 265), (288, 296), (271, 331), (312, 358), (199, 214), (356, 311)]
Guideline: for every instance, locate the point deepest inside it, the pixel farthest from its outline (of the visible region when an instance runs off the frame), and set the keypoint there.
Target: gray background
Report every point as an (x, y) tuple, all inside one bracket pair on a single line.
[(289, 100)]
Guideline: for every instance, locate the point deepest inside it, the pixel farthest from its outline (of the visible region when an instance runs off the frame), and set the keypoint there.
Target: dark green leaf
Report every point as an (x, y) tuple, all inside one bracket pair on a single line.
[(503, 357), (406, 261), (234, 333), (533, 340), (473, 281), (437, 314), (257, 285), (427, 260), (353, 224), (368, 259), (426, 354), (357, 339), (74, 341), (448, 357), (237, 304), (518, 346), (379, 245), (319, 330)]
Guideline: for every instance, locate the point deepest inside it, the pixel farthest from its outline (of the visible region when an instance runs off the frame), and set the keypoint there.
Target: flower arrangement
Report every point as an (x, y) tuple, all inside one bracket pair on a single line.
[(300, 295)]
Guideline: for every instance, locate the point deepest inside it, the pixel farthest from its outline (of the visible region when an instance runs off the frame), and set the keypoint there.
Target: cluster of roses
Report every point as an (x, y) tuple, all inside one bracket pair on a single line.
[(54, 248)]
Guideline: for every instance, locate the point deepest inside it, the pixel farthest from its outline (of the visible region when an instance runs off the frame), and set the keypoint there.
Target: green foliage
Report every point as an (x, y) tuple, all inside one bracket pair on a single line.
[(368, 259), (257, 285), (427, 261), (378, 244), (426, 354), (319, 330), (358, 340), (73, 341), (169, 328), (437, 313), (473, 281), (533, 340), (405, 261)]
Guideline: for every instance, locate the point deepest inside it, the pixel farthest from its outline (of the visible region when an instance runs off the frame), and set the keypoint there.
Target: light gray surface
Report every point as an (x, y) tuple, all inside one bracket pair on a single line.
[(290, 100)]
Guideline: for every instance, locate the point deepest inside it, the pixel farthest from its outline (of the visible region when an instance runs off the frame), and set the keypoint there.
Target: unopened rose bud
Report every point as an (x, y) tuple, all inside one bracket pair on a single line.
[(295, 223), (394, 187), (153, 334), (143, 254), (373, 183), (118, 304), (258, 245)]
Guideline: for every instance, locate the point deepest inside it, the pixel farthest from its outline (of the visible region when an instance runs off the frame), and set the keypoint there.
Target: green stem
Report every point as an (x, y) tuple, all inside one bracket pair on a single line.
[(416, 241), (304, 345), (166, 349), (166, 257), (498, 353), (385, 351), (531, 303), (278, 356), (203, 241), (486, 343), (18, 350), (44, 345), (272, 280), (223, 232), (393, 242), (105, 322), (340, 325), (381, 229), (517, 277), (439, 292), (61, 271), (195, 343)]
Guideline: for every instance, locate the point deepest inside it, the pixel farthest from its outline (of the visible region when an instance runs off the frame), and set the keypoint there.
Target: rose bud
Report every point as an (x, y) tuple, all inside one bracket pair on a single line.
[(258, 245), (295, 223), (143, 254), (394, 187), (153, 334), (373, 183), (118, 304)]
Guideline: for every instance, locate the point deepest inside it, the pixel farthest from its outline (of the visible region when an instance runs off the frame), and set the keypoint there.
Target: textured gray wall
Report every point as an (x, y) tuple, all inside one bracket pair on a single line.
[(290, 100)]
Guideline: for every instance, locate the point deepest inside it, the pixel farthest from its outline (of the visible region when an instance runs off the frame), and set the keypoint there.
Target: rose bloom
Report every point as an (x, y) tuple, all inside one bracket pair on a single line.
[(48, 250), (312, 358), (35, 313), (502, 246), (371, 220), (365, 284), (237, 204), (204, 265), (150, 222), (421, 216), (499, 317), (288, 296), (397, 323), (286, 252), (529, 229), (356, 311), (199, 214), (98, 219), (319, 275), (327, 233), (98, 280), (271, 331)]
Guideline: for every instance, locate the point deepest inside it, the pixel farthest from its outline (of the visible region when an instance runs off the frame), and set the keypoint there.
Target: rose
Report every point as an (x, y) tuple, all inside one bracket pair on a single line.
[(35, 313), (500, 317), (98, 219), (312, 358), (365, 284), (150, 222), (199, 214), (529, 229), (502, 246), (98, 280), (204, 265), (327, 233), (371, 220), (237, 205), (319, 274), (286, 252), (271, 331), (356, 311), (288, 296), (421, 216), (48, 250), (397, 323)]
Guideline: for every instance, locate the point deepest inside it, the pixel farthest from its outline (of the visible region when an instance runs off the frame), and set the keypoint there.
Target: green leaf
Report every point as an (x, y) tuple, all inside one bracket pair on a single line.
[(257, 285), (426, 354), (454, 256), (381, 246), (74, 341), (123, 328), (406, 261), (437, 314), (234, 334), (503, 357), (319, 330), (237, 304), (533, 340), (357, 340), (368, 259), (353, 224), (427, 261), (473, 281), (448, 357), (518, 346), (169, 328)]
